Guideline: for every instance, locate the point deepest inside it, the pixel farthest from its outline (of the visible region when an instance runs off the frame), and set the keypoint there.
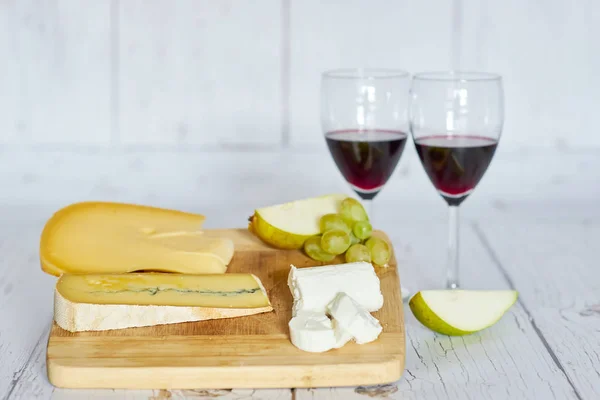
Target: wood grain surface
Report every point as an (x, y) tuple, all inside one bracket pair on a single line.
[(246, 352), (540, 232)]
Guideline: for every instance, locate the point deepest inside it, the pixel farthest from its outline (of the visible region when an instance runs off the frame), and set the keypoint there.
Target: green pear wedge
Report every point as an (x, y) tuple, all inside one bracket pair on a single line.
[(461, 312), (289, 225)]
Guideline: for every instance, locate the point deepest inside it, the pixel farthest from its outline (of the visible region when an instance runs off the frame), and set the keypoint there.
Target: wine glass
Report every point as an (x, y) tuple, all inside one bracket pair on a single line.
[(364, 116), (456, 122)]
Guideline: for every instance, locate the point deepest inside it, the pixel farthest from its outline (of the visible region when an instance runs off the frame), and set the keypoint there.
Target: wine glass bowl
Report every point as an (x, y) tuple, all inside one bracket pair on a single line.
[(364, 117), (456, 121)]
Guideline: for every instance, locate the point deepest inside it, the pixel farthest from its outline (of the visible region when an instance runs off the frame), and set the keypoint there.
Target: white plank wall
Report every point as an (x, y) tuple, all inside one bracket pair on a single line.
[(199, 72), (55, 81), (548, 54), (204, 74)]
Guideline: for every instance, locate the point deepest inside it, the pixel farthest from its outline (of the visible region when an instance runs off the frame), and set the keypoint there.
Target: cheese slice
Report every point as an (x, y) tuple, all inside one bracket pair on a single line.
[(97, 302), (313, 332), (353, 320), (102, 237), (314, 288)]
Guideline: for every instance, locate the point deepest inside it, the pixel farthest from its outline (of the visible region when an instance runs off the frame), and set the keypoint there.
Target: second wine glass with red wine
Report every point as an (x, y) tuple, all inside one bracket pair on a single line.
[(364, 115), (456, 122)]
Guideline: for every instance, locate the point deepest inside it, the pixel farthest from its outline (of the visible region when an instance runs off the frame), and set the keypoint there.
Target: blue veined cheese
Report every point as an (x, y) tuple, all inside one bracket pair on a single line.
[(315, 287), (97, 302)]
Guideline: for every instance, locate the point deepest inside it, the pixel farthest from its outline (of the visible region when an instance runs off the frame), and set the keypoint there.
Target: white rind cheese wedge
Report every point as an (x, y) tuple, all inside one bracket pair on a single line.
[(353, 319), (314, 288), (95, 302)]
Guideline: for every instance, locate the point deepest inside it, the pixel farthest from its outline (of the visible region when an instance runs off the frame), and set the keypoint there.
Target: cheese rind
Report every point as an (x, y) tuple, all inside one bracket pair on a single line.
[(104, 237), (353, 320), (314, 288), (105, 302)]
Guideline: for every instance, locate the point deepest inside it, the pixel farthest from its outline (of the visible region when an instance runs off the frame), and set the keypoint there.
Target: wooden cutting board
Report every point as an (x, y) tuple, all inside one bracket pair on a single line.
[(246, 352)]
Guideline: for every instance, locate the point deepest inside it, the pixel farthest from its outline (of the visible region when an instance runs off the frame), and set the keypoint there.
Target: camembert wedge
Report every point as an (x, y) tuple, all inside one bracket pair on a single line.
[(103, 237), (98, 302)]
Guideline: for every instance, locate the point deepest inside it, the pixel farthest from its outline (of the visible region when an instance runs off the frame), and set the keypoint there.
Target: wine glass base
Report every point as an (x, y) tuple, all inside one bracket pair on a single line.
[(454, 200), (366, 195)]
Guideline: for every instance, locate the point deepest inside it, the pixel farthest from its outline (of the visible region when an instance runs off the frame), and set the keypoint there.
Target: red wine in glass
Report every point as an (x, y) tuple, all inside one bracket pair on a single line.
[(366, 158), (455, 164)]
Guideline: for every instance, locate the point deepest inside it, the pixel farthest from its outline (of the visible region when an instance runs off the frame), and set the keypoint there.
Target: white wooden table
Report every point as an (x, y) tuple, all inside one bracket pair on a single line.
[(533, 224)]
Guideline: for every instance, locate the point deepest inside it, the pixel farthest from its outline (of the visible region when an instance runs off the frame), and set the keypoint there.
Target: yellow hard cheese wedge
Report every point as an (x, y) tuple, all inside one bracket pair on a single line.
[(102, 237), (95, 302)]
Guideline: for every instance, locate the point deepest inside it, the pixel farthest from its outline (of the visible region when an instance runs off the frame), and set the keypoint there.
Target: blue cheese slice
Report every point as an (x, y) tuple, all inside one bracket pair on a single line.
[(98, 302)]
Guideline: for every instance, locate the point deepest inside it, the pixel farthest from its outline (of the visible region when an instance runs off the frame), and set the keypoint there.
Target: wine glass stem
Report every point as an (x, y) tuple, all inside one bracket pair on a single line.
[(452, 273), (368, 204)]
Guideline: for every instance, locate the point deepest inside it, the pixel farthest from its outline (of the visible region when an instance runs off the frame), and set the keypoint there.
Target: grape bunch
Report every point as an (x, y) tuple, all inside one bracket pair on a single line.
[(348, 232)]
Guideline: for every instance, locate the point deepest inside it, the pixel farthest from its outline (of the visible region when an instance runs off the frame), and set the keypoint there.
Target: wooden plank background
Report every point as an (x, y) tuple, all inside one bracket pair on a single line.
[(220, 74)]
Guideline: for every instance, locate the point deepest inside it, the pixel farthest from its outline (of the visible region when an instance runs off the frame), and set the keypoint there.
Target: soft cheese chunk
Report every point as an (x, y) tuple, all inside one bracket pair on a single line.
[(313, 332), (341, 336), (101, 302), (353, 319), (101, 237), (314, 288)]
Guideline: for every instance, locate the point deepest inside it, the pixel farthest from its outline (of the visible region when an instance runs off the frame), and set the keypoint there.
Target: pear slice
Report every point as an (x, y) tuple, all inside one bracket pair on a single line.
[(461, 312), (288, 225)]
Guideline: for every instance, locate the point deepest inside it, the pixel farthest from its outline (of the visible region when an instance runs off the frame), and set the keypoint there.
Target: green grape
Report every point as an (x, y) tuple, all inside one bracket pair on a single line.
[(333, 221), (335, 241), (362, 230), (354, 239), (358, 252), (380, 250), (312, 248), (352, 210)]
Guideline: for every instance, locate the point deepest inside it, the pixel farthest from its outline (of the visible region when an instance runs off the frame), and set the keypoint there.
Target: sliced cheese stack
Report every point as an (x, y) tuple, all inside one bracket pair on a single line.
[(114, 301), (103, 237), (347, 293)]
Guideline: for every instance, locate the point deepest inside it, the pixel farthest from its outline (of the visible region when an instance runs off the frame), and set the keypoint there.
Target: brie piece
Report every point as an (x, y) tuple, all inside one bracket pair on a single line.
[(314, 288), (353, 319), (312, 332)]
